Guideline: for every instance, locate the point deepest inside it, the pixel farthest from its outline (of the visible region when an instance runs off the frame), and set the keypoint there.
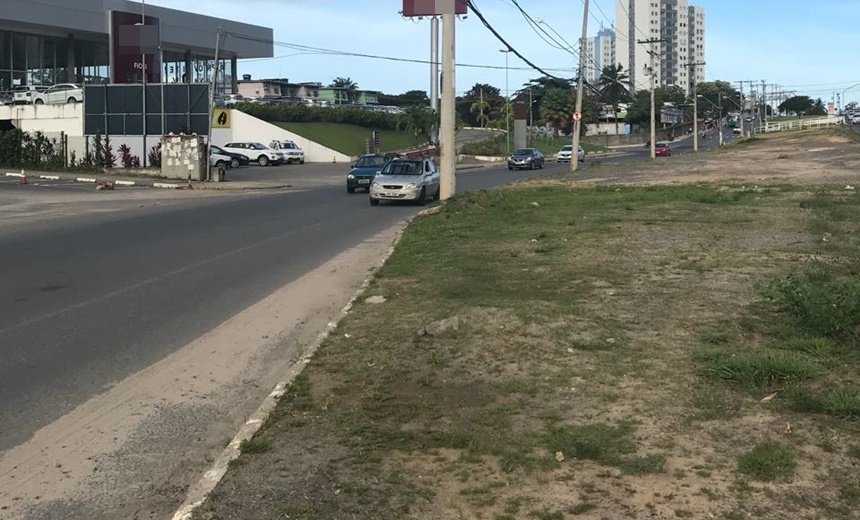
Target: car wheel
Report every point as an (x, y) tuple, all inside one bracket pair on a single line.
[(263, 160), (350, 189), (219, 164), (72, 100), (234, 163), (422, 199), (38, 102), (374, 202), (302, 161), (510, 167)]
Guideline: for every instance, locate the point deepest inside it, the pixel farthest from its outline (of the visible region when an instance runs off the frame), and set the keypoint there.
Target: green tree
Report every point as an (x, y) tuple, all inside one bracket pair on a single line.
[(538, 88), (480, 107), (411, 98), (797, 105), (420, 121), (613, 86), (818, 108), (556, 109), (711, 91), (346, 84), (480, 91), (639, 111)]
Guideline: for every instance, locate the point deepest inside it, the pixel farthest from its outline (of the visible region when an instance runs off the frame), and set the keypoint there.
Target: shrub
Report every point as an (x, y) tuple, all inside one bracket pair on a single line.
[(818, 304), (154, 156)]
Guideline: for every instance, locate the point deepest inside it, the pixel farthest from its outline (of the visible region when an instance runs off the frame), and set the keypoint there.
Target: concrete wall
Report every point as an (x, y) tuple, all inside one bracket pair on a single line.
[(65, 117), (248, 128)]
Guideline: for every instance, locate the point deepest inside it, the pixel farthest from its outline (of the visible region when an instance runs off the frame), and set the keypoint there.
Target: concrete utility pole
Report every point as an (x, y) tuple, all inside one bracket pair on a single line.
[(695, 106), (212, 105), (763, 112), (580, 86), (507, 102), (653, 74), (448, 155)]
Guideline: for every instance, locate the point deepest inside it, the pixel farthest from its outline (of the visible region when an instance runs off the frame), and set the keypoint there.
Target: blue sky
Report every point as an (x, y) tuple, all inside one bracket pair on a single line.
[(804, 46)]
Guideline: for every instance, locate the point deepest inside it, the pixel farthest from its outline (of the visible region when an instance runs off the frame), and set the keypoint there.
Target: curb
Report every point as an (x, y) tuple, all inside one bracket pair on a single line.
[(167, 185), (19, 175), (199, 492)]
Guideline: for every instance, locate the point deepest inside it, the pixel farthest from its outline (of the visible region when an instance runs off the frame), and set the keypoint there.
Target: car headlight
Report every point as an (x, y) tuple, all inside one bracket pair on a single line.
[(409, 187), (374, 185), (350, 176)]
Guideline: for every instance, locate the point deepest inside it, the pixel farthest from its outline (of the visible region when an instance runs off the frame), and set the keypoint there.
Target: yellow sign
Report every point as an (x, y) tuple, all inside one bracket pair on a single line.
[(221, 118)]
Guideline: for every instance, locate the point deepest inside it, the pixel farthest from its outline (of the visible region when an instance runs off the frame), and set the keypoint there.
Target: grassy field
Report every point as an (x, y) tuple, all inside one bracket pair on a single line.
[(350, 139), (677, 351)]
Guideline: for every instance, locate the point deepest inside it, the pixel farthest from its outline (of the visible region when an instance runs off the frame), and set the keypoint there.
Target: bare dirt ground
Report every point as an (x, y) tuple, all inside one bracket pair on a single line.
[(610, 352)]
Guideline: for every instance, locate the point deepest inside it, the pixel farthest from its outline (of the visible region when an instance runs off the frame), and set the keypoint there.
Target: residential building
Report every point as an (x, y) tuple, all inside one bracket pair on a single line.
[(679, 58), (308, 93), (600, 53)]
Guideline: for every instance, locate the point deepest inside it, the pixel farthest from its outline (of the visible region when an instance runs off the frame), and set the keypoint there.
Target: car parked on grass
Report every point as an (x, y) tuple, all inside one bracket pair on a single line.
[(530, 158), (60, 93), (566, 152), (236, 159), (256, 152), (662, 150), (24, 94), (290, 151), (406, 178), (362, 173)]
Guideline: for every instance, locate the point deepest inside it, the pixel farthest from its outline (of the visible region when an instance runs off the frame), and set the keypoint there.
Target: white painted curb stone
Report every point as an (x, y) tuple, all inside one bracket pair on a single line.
[(166, 185), (125, 183)]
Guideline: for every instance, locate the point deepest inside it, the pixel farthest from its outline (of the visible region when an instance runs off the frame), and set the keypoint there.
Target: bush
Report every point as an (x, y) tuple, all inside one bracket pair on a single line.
[(491, 146), (19, 149), (127, 159), (818, 304), (307, 114), (154, 156)]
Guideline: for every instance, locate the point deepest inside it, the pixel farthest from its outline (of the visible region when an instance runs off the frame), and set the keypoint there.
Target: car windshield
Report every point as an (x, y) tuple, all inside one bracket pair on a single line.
[(523, 151), (370, 162), (257, 146), (289, 145), (567, 148), (403, 168)]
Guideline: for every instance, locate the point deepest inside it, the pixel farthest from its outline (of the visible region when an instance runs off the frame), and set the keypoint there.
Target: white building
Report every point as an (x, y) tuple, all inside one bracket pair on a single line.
[(679, 58), (600, 53)]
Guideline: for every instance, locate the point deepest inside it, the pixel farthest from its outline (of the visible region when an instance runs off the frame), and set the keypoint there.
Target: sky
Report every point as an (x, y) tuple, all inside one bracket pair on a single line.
[(806, 47)]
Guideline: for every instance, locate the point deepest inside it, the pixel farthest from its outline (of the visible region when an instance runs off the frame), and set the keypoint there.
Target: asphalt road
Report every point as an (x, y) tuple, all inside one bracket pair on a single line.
[(85, 303)]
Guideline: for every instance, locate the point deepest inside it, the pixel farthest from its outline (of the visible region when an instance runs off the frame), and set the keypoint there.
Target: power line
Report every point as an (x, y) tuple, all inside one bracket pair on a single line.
[(538, 29)]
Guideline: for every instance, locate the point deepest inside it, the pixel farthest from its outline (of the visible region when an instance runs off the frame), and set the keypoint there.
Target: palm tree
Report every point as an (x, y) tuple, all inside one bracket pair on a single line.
[(557, 109), (614, 87), (346, 84), (480, 107)]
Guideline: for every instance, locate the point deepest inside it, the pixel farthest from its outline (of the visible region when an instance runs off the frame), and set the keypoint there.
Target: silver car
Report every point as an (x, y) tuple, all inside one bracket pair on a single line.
[(406, 179)]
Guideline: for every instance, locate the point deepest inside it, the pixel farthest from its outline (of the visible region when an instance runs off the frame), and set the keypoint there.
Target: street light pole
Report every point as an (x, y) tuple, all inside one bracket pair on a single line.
[(580, 86), (143, 70), (507, 102)]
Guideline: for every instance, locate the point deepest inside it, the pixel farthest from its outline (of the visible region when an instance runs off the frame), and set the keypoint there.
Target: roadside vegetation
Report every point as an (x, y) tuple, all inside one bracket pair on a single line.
[(560, 350), (350, 139), (498, 146)]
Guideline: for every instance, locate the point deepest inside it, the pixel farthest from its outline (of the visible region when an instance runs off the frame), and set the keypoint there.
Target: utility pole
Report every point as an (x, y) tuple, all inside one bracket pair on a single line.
[(580, 86), (143, 72), (695, 105), (763, 104), (720, 122), (434, 74), (212, 105), (653, 74), (448, 155), (507, 103)]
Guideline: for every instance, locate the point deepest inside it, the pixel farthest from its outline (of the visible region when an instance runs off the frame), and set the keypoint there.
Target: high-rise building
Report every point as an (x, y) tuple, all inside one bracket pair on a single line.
[(600, 53), (679, 57)]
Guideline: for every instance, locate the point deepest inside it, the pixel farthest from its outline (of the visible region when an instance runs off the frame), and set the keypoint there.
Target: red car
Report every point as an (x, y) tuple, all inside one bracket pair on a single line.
[(662, 150)]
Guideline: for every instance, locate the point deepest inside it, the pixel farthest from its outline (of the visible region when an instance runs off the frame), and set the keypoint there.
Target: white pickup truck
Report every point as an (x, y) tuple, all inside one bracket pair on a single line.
[(290, 151)]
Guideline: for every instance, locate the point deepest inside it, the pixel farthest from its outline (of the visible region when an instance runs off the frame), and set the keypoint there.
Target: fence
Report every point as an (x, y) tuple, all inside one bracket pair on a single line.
[(801, 124)]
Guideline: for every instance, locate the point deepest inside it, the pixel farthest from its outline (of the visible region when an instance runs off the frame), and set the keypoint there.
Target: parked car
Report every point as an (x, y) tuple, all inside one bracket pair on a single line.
[(217, 159), (662, 150), (256, 152), (290, 150), (23, 95), (362, 173), (412, 179), (60, 93), (530, 158), (855, 119), (737, 130), (236, 159), (566, 151), (231, 100)]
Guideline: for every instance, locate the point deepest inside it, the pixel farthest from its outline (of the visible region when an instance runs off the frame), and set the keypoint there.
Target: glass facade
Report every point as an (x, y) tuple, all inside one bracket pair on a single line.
[(44, 60)]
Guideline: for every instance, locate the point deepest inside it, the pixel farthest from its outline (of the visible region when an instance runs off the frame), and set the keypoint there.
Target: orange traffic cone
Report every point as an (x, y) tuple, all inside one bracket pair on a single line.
[(22, 179)]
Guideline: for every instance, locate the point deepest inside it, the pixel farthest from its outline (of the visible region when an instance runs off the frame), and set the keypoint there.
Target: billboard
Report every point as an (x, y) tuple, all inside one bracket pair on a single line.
[(433, 7), (135, 47)]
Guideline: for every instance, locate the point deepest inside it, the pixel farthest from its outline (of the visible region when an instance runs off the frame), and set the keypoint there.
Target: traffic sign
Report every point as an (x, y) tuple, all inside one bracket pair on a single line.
[(577, 116)]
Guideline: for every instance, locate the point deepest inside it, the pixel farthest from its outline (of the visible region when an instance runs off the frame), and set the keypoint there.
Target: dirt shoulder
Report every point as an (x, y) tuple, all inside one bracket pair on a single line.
[(679, 345)]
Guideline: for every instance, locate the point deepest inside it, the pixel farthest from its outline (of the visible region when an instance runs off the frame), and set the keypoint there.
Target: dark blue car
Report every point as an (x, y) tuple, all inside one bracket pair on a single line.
[(363, 171)]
